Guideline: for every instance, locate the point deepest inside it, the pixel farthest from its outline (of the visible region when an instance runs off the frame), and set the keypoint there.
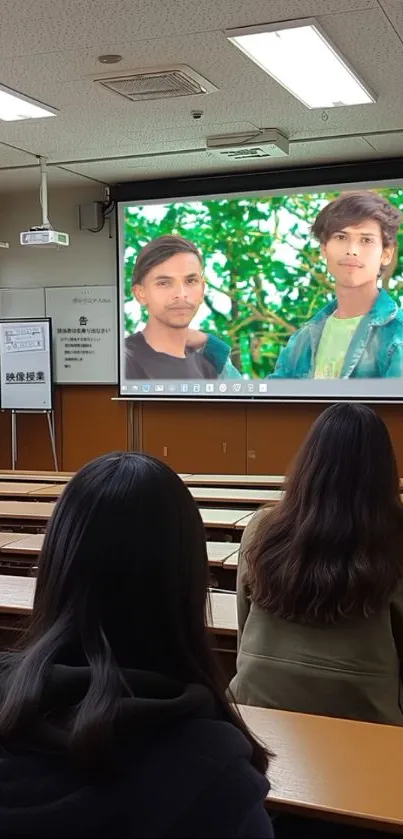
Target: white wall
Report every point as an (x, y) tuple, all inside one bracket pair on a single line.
[(89, 260)]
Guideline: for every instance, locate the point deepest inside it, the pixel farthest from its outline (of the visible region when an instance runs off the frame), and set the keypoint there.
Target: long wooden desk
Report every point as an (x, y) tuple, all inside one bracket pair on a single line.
[(52, 492), (199, 479), (17, 594), (25, 545), (7, 538), (241, 481), (42, 511), (234, 496), (230, 563), (19, 554), (220, 552), (226, 519), (328, 768), (29, 490), (223, 612), (19, 511), (31, 545), (29, 475)]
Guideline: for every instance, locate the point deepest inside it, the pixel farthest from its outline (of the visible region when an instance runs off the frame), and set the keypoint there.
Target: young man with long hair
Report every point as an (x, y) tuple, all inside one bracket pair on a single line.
[(168, 282), (358, 334)]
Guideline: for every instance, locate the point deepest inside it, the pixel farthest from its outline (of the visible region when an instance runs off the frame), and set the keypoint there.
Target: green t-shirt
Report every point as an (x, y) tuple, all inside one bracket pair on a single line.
[(333, 345)]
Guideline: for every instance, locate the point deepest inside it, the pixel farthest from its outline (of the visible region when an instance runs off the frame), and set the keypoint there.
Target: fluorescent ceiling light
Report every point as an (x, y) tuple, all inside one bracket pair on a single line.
[(15, 106), (300, 57)]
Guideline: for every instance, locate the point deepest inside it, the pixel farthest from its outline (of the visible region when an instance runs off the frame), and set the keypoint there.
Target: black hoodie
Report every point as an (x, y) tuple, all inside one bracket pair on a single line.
[(182, 771)]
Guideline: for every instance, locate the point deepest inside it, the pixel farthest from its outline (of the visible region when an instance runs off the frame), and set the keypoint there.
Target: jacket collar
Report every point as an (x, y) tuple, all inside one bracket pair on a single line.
[(383, 310)]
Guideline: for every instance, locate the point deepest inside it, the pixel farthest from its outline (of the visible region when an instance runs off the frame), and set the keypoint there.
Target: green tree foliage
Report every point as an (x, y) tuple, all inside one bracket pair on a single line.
[(260, 255)]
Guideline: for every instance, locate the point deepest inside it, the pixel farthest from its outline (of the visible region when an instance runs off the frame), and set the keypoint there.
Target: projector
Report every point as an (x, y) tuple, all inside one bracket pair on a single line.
[(43, 237)]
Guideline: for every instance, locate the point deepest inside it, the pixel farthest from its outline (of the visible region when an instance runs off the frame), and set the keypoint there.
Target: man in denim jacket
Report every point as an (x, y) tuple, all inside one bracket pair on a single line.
[(360, 333)]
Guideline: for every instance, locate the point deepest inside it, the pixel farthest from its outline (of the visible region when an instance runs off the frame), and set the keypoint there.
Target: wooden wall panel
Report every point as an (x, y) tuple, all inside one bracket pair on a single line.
[(5, 440), (275, 432), (259, 439), (196, 438), (92, 424)]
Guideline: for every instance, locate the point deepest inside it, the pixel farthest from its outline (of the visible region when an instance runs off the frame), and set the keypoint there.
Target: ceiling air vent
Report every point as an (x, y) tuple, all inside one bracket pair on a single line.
[(246, 154), (162, 83)]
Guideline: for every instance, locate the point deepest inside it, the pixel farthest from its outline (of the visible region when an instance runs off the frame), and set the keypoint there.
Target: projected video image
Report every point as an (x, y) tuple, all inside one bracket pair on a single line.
[(264, 288)]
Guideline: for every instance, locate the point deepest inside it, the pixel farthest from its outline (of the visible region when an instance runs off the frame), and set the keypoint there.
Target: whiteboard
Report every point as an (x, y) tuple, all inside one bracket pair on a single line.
[(26, 364), (84, 334), (22, 303)]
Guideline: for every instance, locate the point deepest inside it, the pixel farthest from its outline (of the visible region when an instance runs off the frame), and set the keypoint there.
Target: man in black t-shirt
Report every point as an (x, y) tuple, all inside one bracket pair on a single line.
[(143, 362), (168, 282)]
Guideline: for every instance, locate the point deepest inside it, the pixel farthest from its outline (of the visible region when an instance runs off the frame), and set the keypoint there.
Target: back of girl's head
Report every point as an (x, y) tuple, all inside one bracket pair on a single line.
[(348, 457), (334, 546), (122, 583), (125, 552)]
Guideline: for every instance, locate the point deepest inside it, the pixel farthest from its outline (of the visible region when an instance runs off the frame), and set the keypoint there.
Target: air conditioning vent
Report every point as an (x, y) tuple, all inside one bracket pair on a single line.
[(265, 142), (162, 83), (245, 154)]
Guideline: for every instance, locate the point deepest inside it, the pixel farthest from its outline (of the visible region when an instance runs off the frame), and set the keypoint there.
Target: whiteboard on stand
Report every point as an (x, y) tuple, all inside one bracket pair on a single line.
[(84, 333), (26, 364)]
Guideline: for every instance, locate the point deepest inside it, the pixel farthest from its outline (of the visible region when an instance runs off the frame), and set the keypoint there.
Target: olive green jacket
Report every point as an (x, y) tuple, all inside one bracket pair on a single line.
[(351, 669)]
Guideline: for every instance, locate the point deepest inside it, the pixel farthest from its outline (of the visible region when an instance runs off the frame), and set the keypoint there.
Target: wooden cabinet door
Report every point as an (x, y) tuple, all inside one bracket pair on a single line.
[(196, 437)]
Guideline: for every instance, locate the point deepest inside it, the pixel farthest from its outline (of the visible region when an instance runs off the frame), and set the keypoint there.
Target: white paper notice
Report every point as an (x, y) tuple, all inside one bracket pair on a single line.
[(24, 338), (84, 334)]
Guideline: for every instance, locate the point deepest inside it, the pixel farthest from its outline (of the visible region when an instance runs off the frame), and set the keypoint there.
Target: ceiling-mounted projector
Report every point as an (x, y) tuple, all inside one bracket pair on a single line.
[(43, 235), (247, 146)]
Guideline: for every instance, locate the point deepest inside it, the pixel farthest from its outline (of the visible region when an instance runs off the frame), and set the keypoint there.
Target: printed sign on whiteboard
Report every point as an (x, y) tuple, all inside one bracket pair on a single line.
[(24, 338), (84, 334), (25, 365)]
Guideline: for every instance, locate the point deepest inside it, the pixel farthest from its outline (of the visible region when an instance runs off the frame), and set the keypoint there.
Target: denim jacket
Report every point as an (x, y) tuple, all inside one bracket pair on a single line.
[(218, 353), (375, 350)]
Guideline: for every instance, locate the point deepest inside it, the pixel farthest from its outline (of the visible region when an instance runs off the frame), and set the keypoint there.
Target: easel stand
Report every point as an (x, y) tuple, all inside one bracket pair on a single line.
[(14, 437)]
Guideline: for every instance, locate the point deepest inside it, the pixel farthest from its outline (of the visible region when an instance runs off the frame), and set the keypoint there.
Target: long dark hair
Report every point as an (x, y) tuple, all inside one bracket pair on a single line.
[(333, 548), (122, 582)]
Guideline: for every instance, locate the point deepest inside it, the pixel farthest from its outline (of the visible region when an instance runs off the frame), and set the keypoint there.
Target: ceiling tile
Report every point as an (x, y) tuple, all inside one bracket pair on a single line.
[(72, 24), (13, 157)]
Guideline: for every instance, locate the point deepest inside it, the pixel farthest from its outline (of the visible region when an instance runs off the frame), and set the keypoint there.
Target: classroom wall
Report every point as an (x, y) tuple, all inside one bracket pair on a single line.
[(89, 260), (196, 438), (237, 439)]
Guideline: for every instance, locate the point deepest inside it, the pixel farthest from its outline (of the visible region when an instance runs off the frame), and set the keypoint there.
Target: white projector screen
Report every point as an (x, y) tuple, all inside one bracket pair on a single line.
[(264, 281)]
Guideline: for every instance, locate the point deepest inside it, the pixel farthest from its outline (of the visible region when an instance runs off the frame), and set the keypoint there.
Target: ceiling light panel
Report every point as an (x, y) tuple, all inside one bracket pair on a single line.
[(301, 58)]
